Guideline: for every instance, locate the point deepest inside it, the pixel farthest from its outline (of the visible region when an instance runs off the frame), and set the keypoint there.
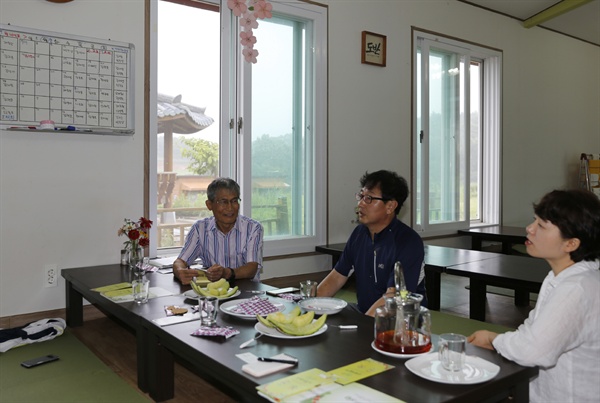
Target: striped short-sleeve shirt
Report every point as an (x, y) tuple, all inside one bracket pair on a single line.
[(243, 244)]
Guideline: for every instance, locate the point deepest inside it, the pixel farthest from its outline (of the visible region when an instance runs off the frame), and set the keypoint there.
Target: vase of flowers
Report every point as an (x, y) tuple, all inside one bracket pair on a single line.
[(137, 239)]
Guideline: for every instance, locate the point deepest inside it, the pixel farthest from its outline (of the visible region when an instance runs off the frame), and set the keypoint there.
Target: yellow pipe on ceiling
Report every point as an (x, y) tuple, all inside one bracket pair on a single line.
[(552, 12)]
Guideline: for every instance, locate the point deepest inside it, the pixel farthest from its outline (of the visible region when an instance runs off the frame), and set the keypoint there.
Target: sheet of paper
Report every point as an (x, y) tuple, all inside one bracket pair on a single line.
[(293, 384), (164, 262), (335, 393), (260, 368), (112, 287), (126, 294), (171, 320), (358, 370)]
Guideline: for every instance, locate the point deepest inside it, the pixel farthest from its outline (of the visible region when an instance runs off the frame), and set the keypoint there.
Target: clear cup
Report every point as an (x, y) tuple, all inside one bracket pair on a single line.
[(141, 290), (210, 308), (452, 351), (201, 301), (308, 289)]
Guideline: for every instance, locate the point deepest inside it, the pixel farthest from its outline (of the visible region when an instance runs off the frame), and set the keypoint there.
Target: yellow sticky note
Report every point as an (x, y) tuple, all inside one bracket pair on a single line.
[(358, 370), (112, 287)]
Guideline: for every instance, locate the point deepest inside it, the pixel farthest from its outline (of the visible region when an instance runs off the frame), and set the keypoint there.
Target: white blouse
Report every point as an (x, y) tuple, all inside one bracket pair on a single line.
[(562, 337)]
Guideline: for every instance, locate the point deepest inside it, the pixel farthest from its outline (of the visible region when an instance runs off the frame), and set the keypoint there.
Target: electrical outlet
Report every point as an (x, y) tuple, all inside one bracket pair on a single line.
[(50, 275)]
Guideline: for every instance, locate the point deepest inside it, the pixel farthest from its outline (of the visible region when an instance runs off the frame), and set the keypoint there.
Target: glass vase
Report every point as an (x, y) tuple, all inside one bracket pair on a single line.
[(136, 259)]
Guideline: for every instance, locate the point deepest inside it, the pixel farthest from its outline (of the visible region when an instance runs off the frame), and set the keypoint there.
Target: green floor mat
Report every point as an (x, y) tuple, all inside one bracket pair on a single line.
[(78, 376)]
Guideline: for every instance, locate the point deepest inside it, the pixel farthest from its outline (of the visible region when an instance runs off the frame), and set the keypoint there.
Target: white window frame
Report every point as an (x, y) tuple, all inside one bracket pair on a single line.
[(234, 148), (491, 127)]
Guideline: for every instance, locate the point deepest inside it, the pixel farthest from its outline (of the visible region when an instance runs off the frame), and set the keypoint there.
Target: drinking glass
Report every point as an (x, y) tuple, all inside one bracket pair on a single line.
[(308, 289), (141, 289), (211, 305), (452, 351)]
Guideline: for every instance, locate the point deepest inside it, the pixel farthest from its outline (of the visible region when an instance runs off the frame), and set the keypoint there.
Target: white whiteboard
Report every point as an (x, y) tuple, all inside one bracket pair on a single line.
[(75, 81)]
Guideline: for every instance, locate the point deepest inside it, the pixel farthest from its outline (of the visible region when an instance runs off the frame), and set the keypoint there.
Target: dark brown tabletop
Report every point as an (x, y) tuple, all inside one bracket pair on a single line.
[(215, 359), (522, 274), (507, 235)]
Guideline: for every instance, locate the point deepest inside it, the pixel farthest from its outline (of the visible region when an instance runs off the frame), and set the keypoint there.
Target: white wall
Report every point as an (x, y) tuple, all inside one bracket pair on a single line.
[(63, 198)]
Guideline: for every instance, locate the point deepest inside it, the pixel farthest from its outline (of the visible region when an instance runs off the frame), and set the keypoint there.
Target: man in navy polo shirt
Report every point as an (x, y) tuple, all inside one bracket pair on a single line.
[(377, 243)]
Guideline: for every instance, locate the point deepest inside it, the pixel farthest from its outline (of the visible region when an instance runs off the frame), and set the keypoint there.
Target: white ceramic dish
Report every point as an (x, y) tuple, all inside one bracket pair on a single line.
[(396, 355), (476, 370), (322, 305), (192, 294), (272, 332), (226, 307)]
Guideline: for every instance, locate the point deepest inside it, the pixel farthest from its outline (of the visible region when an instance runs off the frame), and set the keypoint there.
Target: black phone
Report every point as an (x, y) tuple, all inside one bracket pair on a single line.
[(285, 290), (34, 362)]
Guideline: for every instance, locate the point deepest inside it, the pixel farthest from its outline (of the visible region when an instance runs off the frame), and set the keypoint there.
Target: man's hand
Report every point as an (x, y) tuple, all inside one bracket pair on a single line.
[(182, 272), (215, 272)]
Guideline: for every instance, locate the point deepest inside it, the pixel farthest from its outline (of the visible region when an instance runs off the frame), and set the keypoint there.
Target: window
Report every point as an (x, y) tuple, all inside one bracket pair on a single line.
[(456, 150), (262, 124)]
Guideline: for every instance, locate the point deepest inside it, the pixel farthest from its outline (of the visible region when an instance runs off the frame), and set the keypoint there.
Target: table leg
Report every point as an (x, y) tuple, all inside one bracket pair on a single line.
[(520, 392), (160, 370), (142, 338), (477, 299), (521, 298), (74, 307), (507, 248), (434, 289)]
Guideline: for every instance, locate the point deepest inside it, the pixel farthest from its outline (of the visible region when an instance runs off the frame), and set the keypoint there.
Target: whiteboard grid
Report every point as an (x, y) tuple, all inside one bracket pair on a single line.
[(75, 81)]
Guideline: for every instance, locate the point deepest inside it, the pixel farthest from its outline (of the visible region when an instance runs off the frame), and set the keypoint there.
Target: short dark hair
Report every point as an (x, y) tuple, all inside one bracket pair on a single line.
[(576, 213), (222, 183), (392, 186)]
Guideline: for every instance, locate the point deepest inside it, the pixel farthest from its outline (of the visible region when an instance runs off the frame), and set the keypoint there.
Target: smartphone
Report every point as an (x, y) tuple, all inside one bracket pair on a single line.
[(39, 361), (285, 290)]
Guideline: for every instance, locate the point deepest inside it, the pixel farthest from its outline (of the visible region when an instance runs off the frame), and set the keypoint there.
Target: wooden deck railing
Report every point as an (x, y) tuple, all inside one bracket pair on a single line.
[(175, 232)]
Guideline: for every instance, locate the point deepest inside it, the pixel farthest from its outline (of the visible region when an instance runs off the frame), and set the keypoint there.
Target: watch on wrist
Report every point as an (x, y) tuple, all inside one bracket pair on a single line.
[(232, 277)]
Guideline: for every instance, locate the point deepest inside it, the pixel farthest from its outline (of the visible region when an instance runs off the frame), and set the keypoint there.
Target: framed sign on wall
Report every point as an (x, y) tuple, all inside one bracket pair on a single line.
[(373, 48)]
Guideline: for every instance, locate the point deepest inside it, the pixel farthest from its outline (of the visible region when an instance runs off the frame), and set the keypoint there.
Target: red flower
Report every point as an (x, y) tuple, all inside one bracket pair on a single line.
[(145, 223), (144, 242), (133, 234)]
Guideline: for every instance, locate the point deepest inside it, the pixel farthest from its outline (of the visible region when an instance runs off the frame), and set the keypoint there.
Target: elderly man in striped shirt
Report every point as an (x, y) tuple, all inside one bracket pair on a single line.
[(229, 244)]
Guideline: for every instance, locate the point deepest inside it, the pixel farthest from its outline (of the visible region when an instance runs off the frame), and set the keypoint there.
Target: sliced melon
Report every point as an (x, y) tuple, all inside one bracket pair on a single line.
[(305, 330), (265, 321), (303, 320)]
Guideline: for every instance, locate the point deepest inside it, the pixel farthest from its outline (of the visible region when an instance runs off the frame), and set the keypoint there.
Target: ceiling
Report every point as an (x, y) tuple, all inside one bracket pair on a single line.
[(581, 22)]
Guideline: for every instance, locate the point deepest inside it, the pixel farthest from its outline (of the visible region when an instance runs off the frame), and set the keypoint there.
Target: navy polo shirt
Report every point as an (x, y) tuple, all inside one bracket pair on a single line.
[(372, 261)]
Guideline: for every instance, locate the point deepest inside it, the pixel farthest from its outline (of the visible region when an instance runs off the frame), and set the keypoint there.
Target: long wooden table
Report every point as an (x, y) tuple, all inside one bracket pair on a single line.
[(507, 235), (215, 359)]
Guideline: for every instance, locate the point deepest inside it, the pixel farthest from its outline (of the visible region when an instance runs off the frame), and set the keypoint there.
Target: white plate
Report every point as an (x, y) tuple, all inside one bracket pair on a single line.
[(192, 294), (272, 332), (322, 305), (227, 306), (476, 370), (396, 355)]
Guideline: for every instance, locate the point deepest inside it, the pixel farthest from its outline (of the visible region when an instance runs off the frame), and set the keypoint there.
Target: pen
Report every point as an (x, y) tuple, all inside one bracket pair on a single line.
[(266, 359)]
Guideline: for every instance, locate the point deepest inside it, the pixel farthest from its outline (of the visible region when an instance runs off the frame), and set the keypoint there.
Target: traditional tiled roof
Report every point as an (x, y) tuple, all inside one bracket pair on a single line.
[(184, 118)]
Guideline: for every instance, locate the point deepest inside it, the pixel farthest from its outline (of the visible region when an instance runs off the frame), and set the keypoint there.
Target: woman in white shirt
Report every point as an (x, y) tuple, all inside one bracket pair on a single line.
[(562, 333)]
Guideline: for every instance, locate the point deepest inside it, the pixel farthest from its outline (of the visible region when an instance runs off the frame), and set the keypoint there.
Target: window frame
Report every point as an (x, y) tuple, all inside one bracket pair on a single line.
[(234, 154), (490, 141)]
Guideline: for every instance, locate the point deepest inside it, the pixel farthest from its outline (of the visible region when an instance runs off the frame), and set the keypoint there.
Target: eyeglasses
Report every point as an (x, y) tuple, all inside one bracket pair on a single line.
[(368, 199), (224, 202)]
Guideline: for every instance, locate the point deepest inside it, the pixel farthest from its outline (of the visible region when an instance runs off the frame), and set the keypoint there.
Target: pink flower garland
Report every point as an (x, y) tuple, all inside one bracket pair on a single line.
[(248, 14)]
